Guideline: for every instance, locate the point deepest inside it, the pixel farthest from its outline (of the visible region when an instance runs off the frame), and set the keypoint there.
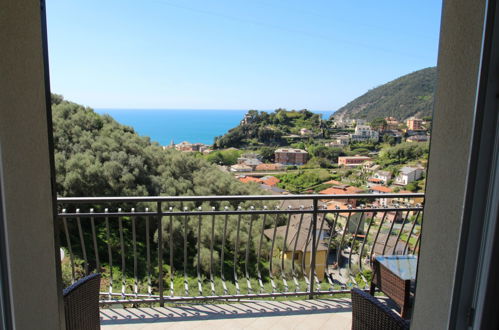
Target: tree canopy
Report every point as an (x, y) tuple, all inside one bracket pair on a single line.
[(97, 156)]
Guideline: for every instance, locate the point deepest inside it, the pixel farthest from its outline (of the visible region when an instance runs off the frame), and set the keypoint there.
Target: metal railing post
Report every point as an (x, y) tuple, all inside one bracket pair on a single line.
[(160, 256), (314, 238)]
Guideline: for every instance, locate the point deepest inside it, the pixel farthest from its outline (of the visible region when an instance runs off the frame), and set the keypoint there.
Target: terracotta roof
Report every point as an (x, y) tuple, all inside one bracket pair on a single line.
[(270, 180), (375, 180), (340, 190), (268, 167), (405, 192), (247, 179), (381, 189)]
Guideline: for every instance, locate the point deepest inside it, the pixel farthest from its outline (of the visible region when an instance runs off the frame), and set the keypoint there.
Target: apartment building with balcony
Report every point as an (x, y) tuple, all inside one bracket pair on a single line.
[(364, 133), (291, 156), (414, 124)]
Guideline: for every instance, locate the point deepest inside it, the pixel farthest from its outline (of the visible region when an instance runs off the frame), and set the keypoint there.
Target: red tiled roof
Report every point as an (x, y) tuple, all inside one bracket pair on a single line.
[(340, 190), (271, 181), (375, 180), (381, 189), (268, 167), (248, 179)]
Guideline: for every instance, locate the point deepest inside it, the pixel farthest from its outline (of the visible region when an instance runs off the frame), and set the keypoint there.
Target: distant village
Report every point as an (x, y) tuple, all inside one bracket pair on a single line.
[(250, 168)]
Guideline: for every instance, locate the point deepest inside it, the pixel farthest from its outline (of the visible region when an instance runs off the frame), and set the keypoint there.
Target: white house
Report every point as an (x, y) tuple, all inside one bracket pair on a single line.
[(338, 141), (381, 190), (364, 133), (383, 176), (408, 174)]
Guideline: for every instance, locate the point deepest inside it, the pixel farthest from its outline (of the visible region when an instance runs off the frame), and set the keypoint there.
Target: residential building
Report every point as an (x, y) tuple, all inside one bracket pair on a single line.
[(338, 141), (414, 124), (291, 156), (352, 161), (392, 123), (384, 176), (413, 133), (251, 162), (370, 166), (270, 180), (381, 190), (343, 189), (184, 146), (187, 146), (244, 157), (248, 179), (408, 174), (364, 133), (298, 245), (407, 200), (367, 165), (352, 217)]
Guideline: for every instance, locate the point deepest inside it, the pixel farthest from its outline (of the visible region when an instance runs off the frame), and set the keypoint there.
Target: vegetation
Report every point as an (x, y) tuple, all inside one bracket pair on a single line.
[(96, 156), (407, 96), (403, 153), (261, 128), (299, 181), (223, 157)]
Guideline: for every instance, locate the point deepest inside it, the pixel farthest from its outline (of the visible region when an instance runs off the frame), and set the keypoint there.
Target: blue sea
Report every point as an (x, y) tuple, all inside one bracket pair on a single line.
[(198, 125)]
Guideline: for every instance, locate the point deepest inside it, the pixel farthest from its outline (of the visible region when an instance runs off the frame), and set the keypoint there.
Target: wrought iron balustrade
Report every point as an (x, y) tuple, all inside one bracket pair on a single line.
[(169, 249)]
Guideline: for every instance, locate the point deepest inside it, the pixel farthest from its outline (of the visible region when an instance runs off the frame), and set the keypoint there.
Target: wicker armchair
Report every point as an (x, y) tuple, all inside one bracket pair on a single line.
[(81, 304), (368, 313)]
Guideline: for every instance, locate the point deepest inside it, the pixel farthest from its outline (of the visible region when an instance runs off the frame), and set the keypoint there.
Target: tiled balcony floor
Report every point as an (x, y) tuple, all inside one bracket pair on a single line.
[(298, 314)]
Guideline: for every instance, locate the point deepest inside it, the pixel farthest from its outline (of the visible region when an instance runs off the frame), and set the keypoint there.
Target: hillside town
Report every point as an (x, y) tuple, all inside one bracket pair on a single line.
[(369, 171)]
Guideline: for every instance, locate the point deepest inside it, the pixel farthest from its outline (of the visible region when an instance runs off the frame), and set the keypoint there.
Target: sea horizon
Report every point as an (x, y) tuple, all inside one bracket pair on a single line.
[(178, 125)]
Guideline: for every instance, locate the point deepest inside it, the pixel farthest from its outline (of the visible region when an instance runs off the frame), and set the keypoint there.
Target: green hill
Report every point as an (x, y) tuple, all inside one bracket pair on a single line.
[(260, 128), (409, 95)]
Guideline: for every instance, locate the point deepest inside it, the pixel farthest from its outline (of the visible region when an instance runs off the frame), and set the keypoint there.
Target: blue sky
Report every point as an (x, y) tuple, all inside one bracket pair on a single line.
[(235, 54)]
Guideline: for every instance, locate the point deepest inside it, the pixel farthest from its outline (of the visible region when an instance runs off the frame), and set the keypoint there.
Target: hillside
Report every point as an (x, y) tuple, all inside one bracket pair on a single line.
[(260, 128), (409, 95)]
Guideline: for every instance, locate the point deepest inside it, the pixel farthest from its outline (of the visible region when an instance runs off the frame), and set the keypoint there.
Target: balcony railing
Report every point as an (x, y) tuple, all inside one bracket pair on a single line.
[(171, 249)]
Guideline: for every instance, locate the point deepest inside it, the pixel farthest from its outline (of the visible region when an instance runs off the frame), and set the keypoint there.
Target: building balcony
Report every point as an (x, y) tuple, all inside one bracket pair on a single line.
[(269, 255)]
